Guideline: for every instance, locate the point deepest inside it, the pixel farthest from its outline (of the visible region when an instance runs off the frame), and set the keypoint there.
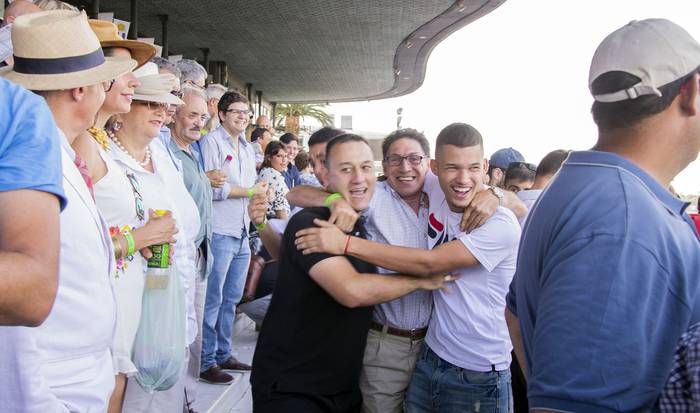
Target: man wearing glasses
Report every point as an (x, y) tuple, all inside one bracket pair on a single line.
[(397, 215), (229, 243)]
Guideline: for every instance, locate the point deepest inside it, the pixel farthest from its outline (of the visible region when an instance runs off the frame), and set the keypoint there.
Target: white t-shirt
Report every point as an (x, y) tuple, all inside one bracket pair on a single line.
[(468, 326), (528, 197)]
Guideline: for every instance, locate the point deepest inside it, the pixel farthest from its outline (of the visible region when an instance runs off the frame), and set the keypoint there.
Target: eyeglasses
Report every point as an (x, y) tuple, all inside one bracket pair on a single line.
[(138, 199), (154, 106), (191, 83), (176, 93), (527, 165), (397, 160), (107, 85), (246, 112)]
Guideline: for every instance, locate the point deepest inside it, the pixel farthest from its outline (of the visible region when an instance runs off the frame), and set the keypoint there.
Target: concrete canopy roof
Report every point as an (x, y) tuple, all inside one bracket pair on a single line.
[(311, 50)]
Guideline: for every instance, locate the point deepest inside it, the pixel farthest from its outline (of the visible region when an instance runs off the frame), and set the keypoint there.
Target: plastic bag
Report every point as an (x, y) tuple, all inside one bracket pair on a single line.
[(160, 345)]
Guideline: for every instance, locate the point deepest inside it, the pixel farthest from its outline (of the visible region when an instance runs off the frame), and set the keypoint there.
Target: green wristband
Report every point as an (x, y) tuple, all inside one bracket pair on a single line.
[(250, 193), (131, 246), (331, 198), (261, 226)]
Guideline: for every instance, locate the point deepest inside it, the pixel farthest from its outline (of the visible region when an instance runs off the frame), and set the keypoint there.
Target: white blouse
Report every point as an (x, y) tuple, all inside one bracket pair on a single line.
[(165, 189)]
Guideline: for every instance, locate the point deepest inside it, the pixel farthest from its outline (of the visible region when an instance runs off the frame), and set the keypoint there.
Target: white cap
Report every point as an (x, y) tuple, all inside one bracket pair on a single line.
[(657, 51)]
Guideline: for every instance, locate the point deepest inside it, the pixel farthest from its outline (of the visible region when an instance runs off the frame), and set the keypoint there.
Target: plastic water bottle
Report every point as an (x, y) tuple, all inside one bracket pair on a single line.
[(158, 271)]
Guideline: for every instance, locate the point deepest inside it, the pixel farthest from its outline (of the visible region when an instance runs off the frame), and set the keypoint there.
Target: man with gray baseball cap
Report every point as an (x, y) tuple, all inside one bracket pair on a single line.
[(607, 274)]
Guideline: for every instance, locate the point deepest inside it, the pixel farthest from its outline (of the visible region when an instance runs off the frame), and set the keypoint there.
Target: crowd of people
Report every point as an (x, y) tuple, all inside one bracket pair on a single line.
[(453, 283)]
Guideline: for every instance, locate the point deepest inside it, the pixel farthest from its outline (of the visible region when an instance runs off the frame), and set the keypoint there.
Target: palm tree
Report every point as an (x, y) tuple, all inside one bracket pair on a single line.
[(292, 113)]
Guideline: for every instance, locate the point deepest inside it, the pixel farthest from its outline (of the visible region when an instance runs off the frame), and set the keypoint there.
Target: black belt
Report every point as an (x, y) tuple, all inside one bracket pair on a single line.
[(414, 333)]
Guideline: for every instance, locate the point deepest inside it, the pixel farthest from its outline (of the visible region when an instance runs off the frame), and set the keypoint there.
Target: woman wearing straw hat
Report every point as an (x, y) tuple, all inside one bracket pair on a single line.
[(66, 362), (160, 185)]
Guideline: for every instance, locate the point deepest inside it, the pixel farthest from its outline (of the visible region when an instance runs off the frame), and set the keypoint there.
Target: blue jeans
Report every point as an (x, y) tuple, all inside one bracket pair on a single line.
[(224, 291), (439, 386)]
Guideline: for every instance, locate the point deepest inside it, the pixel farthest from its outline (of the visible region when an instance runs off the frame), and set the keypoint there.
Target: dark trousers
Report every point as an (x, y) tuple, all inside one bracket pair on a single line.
[(281, 402), (519, 387)]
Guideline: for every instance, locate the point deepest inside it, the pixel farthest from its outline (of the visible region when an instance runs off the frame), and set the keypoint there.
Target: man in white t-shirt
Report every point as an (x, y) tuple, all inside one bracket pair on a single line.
[(466, 360)]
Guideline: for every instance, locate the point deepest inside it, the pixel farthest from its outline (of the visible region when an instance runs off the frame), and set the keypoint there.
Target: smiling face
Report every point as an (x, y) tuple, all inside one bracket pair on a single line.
[(119, 97), (460, 171), (146, 117), (406, 178), (350, 171), (235, 118), (292, 150), (278, 161)]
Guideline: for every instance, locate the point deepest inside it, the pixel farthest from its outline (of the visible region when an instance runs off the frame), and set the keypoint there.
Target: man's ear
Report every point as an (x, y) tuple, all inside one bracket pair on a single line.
[(486, 165), (434, 166), (689, 95), (78, 93)]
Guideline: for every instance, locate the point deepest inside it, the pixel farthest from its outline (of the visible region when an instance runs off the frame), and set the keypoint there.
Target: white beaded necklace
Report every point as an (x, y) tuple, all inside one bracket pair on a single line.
[(146, 159)]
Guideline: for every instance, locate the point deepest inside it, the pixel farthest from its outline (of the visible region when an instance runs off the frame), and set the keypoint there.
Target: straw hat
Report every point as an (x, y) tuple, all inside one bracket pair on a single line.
[(155, 87), (108, 35), (56, 50)]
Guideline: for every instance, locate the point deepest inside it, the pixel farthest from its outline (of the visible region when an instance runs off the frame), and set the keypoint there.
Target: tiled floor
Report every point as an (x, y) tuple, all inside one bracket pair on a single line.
[(235, 397)]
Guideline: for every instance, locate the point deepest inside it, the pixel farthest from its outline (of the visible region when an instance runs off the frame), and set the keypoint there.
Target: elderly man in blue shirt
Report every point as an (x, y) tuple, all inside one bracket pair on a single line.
[(607, 275)]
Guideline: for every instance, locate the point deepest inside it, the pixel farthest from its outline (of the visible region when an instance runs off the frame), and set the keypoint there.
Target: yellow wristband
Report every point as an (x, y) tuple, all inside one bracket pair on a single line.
[(250, 193), (331, 198)]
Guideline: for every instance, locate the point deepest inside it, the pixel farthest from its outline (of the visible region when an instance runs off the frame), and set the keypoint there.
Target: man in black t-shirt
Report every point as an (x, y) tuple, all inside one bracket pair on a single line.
[(309, 352)]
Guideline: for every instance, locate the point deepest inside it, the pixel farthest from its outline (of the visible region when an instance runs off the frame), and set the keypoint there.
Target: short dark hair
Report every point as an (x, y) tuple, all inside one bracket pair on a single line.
[(340, 139), (288, 137), (324, 135), (626, 113), (228, 98), (407, 133), (272, 149), (520, 171), (460, 135), (302, 160), (550, 164), (258, 133)]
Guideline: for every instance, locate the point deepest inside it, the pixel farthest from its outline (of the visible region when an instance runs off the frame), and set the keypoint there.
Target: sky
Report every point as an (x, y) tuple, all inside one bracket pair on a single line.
[(520, 76)]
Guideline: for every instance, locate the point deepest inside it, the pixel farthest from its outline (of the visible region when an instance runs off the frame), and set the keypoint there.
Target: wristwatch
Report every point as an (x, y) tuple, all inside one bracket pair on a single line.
[(499, 194)]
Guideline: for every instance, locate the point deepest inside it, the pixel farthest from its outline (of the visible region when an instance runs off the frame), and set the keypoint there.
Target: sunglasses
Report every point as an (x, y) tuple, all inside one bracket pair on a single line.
[(138, 199), (526, 165), (154, 106)]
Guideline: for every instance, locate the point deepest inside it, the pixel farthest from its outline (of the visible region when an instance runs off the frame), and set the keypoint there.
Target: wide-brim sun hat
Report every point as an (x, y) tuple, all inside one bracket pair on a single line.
[(155, 87), (56, 50), (108, 35)]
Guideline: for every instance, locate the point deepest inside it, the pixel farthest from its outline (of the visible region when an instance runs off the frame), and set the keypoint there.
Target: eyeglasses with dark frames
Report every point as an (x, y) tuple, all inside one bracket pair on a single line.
[(397, 160), (246, 112), (107, 85), (154, 106)]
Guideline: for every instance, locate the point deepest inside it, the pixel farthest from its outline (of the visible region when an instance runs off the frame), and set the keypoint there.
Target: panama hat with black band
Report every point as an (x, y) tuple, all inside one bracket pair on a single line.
[(57, 50)]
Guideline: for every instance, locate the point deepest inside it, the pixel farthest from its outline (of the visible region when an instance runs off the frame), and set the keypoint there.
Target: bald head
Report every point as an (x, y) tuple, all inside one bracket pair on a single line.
[(18, 8)]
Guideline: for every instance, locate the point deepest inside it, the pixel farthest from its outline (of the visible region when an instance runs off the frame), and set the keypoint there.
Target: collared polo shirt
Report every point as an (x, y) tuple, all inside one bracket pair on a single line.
[(391, 221), (230, 215), (30, 154), (199, 187), (607, 281)]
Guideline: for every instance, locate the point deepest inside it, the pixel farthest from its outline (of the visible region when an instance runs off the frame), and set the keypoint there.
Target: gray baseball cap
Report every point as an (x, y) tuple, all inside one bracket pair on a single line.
[(657, 51)]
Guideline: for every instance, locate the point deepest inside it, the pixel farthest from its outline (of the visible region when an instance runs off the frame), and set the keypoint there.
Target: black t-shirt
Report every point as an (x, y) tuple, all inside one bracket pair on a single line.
[(309, 343)]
